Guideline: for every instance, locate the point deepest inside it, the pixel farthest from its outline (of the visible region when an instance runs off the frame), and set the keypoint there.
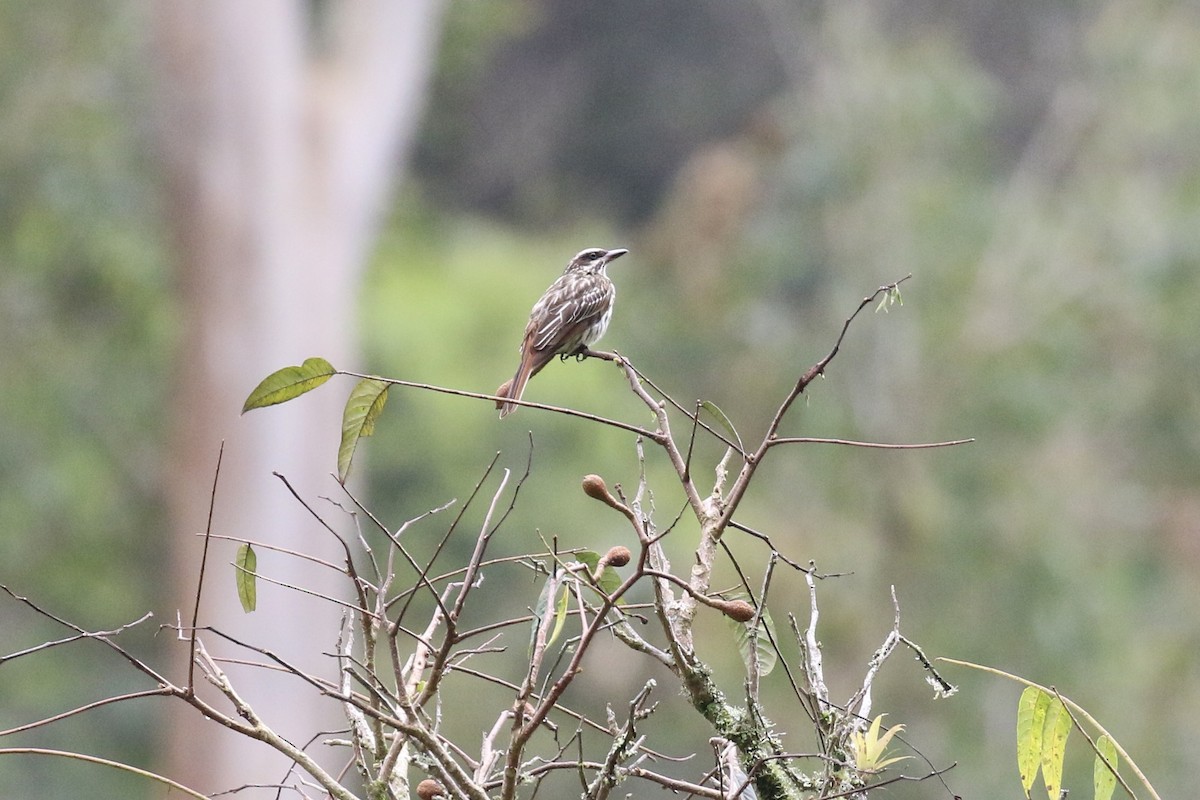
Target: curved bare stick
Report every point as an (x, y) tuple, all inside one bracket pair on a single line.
[(41, 751), (873, 445), (692, 416), (102, 637), (742, 482), (429, 387), (160, 691), (212, 502)]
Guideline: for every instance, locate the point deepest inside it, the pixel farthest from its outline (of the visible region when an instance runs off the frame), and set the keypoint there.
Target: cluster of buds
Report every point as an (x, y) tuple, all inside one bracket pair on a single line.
[(595, 488)]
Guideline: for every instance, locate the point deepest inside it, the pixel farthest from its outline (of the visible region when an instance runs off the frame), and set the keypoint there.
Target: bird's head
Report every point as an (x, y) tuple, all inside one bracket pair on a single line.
[(594, 259)]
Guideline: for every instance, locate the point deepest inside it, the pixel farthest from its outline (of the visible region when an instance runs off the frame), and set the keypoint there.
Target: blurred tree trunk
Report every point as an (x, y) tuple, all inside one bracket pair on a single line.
[(283, 125)]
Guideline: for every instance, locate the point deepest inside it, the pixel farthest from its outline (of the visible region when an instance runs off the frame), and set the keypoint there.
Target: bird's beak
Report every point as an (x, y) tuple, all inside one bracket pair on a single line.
[(614, 254)]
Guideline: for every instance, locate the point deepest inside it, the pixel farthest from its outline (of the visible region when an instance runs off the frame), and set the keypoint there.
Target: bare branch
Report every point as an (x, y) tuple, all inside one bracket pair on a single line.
[(154, 776), (570, 412), (212, 502), (102, 637), (59, 642), (162, 691), (873, 445), (624, 746), (738, 490)]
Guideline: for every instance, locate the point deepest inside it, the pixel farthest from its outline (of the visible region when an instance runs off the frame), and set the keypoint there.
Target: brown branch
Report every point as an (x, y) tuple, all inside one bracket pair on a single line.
[(570, 412), (212, 502), (162, 691), (41, 751), (693, 416), (556, 691), (278, 549), (665, 781), (102, 636), (59, 642), (351, 571), (1112, 768), (742, 482), (874, 445), (487, 531), (663, 437)]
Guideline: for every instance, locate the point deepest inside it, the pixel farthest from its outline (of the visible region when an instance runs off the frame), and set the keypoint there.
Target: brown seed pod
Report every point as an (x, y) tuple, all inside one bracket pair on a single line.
[(738, 610), (428, 789), (617, 556), (595, 488)]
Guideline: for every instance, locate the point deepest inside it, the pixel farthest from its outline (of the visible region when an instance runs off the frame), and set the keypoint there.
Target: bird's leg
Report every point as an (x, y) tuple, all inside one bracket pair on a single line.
[(583, 351)]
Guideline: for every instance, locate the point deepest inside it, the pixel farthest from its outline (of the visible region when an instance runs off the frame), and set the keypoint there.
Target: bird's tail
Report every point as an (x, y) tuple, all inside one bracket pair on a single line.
[(514, 388)]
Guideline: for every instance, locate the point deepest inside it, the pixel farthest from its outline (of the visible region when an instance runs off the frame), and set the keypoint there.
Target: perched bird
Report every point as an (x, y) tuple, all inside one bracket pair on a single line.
[(571, 316)]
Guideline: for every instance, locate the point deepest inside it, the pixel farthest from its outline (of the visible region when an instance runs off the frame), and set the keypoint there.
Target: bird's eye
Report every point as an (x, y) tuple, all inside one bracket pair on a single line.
[(594, 255)]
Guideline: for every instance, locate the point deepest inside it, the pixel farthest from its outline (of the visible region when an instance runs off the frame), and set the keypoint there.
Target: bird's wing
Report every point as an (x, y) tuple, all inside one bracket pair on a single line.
[(568, 304)]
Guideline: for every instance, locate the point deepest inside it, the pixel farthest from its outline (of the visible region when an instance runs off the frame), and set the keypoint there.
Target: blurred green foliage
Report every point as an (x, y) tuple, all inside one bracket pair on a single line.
[(87, 325), (1052, 316)]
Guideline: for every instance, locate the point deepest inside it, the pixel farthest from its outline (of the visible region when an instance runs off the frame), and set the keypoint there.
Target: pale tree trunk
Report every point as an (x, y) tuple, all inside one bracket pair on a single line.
[(280, 148)]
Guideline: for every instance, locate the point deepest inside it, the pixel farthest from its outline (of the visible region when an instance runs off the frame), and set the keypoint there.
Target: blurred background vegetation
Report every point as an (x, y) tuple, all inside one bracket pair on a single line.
[(1035, 166)]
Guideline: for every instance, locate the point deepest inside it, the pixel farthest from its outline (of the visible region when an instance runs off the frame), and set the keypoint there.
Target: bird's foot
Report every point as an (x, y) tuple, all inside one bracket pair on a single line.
[(579, 354)]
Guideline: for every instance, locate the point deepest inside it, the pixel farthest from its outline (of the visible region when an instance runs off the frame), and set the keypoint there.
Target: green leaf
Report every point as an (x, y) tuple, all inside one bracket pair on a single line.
[(244, 566), (539, 611), (610, 579), (553, 589), (890, 297), (1104, 773), (750, 645), (288, 383), (358, 420), (720, 417), (1031, 720), (560, 613), (1054, 746)]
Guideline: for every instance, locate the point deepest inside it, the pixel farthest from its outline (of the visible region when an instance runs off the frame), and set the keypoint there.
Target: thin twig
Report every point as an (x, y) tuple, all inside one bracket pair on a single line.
[(1080, 710), (1095, 749), (159, 692), (59, 642), (570, 412), (212, 502), (742, 482), (102, 637), (351, 571), (874, 445), (154, 776)]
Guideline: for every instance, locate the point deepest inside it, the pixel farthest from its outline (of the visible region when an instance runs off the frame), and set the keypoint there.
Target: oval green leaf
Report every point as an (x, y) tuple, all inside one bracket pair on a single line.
[(755, 643), (1031, 720), (1054, 746), (358, 420), (244, 568), (720, 417), (288, 383), (1104, 773), (560, 613)]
